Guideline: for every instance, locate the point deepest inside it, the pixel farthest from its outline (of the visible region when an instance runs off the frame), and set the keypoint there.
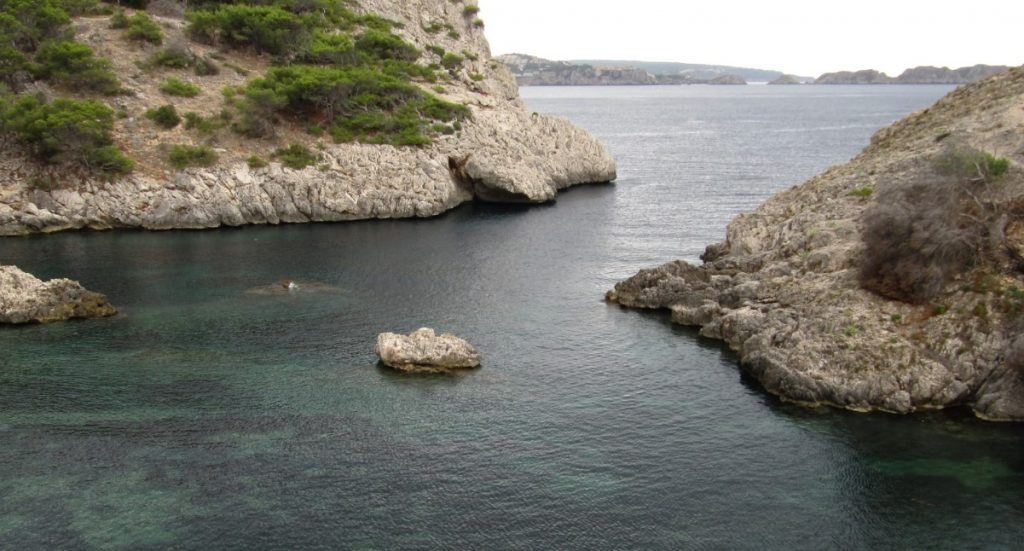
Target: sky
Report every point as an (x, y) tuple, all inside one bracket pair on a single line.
[(794, 36)]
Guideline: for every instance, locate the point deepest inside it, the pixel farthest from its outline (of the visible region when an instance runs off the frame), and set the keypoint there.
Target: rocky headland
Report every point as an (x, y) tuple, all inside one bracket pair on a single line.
[(26, 299), (535, 71), (786, 80), (892, 283), (916, 75), (424, 351), (728, 80), (204, 131)]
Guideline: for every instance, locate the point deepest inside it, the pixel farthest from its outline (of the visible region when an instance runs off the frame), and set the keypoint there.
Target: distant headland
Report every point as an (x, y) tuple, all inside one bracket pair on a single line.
[(535, 71), (917, 75)]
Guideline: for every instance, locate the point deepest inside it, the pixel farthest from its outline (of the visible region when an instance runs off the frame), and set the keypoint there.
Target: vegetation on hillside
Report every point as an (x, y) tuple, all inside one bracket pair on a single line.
[(921, 234), (334, 71)]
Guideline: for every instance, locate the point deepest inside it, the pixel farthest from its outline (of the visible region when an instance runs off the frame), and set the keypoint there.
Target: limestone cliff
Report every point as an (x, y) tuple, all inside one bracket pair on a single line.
[(502, 152), (931, 213)]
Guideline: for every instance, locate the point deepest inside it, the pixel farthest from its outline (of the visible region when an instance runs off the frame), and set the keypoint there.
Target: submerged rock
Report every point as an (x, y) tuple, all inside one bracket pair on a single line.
[(287, 287), (24, 298), (423, 351)]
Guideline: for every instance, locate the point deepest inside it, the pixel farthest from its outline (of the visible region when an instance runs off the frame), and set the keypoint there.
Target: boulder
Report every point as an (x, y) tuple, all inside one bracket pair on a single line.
[(26, 299), (423, 351)]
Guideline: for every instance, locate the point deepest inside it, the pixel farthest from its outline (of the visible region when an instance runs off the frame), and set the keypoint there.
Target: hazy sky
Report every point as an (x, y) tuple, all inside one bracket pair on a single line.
[(804, 37)]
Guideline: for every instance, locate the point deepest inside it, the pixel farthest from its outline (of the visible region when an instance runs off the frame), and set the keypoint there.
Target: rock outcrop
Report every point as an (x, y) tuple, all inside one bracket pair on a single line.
[(535, 71), (945, 75), (423, 351), (26, 299), (728, 80), (504, 153), (867, 76), (785, 290), (916, 75), (786, 80)]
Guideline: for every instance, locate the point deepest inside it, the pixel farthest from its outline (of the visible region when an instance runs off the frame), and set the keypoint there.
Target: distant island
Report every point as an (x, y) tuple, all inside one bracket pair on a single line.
[(917, 75), (535, 71)]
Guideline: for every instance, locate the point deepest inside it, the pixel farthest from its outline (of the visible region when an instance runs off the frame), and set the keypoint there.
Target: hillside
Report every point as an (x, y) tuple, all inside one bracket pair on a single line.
[(916, 75), (695, 71), (535, 71), (892, 283), (186, 115)]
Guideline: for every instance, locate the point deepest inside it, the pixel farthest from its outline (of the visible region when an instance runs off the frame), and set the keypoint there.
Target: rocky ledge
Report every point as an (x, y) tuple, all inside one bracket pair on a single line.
[(26, 299), (893, 283), (423, 351)]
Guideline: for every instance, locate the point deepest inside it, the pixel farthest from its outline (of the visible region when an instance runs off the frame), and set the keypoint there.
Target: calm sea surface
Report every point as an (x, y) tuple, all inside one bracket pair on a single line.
[(210, 416)]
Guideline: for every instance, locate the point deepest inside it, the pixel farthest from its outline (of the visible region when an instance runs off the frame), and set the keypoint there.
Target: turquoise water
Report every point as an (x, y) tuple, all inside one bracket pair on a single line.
[(208, 415)]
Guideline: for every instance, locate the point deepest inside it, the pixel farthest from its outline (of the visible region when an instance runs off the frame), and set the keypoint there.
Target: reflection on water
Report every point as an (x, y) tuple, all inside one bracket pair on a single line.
[(205, 417)]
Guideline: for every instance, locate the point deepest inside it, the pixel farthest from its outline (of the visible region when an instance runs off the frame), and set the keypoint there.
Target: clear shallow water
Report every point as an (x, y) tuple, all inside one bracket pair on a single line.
[(205, 416)]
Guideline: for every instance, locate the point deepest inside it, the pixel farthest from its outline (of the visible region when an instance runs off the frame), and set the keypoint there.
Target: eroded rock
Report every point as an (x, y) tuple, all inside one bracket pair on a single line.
[(423, 351), (24, 298)]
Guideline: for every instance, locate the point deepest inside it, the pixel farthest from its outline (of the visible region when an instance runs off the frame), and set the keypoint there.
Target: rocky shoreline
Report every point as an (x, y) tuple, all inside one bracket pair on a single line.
[(786, 289)]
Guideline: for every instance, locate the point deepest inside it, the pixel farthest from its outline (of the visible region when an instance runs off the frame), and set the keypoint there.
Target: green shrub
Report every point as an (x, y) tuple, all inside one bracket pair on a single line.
[(204, 67), (75, 66), (14, 67), (476, 77), (356, 104), (174, 86), (331, 49), (108, 159), (165, 116), (172, 58), (257, 162), (143, 29), (65, 129), (119, 20), (863, 192), (296, 157), (183, 156), (470, 10), (452, 61), (382, 45), (195, 121), (436, 50), (478, 23), (968, 164), (265, 29), (25, 24)]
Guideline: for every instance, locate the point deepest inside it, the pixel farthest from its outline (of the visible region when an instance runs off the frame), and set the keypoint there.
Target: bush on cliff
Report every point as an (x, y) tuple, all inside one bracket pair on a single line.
[(74, 66), (265, 29), (183, 156), (142, 28), (65, 130), (923, 233), (357, 104)]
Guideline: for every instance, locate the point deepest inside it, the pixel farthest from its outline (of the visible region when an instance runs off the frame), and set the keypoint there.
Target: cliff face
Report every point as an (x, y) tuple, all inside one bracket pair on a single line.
[(502, 153), (931, 213)]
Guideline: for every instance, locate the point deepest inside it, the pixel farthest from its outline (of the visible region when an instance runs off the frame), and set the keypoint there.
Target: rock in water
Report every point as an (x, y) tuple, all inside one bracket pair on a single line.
[(26, 299), (423, 351)]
